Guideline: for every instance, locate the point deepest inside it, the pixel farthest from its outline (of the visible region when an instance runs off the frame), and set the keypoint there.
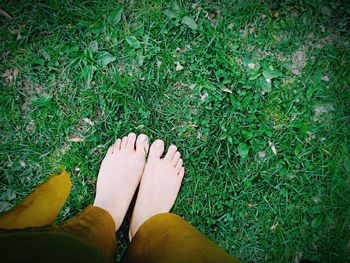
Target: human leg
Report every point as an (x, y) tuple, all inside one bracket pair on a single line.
[(92, 229), (158, 236)]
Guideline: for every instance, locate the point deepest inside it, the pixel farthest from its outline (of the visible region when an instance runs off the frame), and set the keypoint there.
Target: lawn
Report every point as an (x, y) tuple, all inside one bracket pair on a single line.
[(255, 94)]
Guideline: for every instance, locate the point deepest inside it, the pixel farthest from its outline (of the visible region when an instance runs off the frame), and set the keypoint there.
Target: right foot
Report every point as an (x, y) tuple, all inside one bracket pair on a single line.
[(160, 184), (120, 175)]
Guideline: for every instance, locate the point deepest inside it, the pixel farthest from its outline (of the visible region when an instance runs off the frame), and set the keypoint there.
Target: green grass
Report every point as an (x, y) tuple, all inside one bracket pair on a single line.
[(117, 68)]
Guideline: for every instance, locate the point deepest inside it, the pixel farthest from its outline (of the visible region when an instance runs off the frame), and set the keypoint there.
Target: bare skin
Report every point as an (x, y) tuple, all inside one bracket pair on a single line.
[(159, 186), (120, 174)]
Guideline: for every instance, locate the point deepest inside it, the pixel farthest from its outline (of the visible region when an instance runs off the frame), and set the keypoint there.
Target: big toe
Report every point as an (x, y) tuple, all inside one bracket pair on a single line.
[(142, 144), (156, 149)]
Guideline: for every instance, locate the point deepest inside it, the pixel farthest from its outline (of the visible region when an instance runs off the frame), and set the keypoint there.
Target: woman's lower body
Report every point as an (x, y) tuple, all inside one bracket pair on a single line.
[(28, 234)]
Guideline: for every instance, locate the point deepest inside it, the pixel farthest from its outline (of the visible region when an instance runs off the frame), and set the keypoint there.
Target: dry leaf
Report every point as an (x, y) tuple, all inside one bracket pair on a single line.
[(325, 78), (5, 14), (10, 75), (159, 62), (178, 66), (76, 139), (22, 164), (273, 148), (88, 121), (227, 90), (273, 227)]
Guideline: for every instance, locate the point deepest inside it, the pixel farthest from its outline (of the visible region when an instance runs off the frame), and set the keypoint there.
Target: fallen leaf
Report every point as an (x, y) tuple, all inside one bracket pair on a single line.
[(273, 227), (5, 14), (22, 164), (76, 139), (88, 121), (227, 90), (273, 148), (178, 66), (159, 62)]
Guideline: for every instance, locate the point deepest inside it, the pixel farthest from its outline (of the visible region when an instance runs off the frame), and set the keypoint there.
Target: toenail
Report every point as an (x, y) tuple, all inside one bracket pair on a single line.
[(143, 138), (159, 143)]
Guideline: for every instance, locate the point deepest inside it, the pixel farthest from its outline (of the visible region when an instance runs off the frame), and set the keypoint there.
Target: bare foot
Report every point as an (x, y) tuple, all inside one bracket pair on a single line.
[(160, 184), (120, 174)]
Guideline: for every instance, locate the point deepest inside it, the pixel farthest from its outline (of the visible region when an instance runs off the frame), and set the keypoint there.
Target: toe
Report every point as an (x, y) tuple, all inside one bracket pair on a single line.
[(156, 149), (124, 142), (170, 154), (111, 149), (131, 141), (142, 144), (117, 145), (178, 166), (176, 158), (181, 173)]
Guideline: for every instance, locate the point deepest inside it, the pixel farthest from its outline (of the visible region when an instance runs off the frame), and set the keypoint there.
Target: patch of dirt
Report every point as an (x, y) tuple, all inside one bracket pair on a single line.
[(298, 61), (322, 112), (10, 75), (30, 126), (29, 92)]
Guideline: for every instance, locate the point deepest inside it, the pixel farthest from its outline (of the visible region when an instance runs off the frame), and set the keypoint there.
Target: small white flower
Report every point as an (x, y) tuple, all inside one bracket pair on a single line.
[(251, 65)]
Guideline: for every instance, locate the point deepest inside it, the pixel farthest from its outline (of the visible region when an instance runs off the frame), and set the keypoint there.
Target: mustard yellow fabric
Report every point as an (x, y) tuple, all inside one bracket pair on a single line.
[(95, 226), (168, 238), (28, 235), (42, 206)]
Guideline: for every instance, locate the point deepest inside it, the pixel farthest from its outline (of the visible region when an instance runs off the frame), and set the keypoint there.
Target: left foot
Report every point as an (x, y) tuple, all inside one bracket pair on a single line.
[(120, 174), (159, 185)]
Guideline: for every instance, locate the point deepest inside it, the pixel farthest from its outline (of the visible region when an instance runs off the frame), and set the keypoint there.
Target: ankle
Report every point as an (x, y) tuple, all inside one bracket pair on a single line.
[(116, 219)]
